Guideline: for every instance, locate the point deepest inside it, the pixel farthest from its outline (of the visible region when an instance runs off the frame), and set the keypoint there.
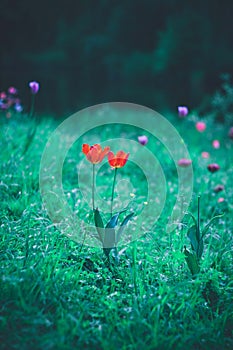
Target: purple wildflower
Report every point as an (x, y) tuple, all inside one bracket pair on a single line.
[(34, 86), (218, 188), (213, 167), (184, 162), (18, 107), (182, 111), (143, 140), (12, 90)]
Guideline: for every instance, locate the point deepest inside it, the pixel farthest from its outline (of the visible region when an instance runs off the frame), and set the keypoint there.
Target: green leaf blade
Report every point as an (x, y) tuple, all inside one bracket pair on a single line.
[(192, 262), (122, 227), (204, 231), (192, 235), (113, 221), (99, 225)]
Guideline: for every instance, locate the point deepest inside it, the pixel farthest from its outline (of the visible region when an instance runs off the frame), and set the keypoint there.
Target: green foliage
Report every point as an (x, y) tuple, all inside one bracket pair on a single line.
[(222, 101), (122, 226), (108, 236), (192, 261), (195, 235), (196, 241), (99, 224), (58, 294)]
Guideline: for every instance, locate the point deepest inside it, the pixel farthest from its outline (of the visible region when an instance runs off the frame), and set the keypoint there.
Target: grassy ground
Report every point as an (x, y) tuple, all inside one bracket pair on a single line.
[(58, 294)]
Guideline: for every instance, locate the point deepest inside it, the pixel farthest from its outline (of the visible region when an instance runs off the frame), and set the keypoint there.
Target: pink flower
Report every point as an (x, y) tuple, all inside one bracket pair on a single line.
[(143, 140), (2, 95), (221, 199), (34, 86), (216, 144), (230, 134), (184, 162), (205, 155), (213, 167), (182, 111), (200, 126), (12, 90), (218, 188)]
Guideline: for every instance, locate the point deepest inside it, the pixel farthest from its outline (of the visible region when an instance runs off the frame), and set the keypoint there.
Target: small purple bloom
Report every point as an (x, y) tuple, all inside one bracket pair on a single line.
[(184, 162), (12, 90), (34, 86), (143, 140), (182, 111), (3, 106), (213, 167), (18, 107), (218, 188)]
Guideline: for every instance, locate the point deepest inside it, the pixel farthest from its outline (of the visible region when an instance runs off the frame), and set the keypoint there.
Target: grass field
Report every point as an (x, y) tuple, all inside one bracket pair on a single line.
[(59, 294)]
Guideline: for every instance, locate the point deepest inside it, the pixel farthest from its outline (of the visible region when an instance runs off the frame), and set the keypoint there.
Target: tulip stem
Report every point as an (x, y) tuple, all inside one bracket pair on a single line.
[(198, 215), (93, 187), (31, 114), (113, 188), (31, 131)]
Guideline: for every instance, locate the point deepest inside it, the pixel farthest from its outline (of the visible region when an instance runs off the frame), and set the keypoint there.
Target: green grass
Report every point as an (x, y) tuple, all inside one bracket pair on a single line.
[(59, 294)]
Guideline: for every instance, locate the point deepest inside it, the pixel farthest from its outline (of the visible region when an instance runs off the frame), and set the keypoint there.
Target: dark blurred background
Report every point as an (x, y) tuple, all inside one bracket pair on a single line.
[(156, 53)]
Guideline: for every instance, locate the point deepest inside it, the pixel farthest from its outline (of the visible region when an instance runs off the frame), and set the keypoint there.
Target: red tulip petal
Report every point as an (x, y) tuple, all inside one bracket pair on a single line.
[(85, 148)]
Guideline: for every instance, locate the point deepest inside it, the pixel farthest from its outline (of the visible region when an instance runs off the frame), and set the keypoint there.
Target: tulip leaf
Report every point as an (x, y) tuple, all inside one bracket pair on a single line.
[(196, 224), (192, 261), (99, 224), (193, 217), (200, 248), (192, 235), (113, 221), (210, 223), (122, 227)]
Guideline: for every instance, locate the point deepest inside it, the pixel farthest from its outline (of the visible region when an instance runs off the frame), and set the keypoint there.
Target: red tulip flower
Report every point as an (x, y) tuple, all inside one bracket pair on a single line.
[(95, 154), (213, 167), (119, 160)]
